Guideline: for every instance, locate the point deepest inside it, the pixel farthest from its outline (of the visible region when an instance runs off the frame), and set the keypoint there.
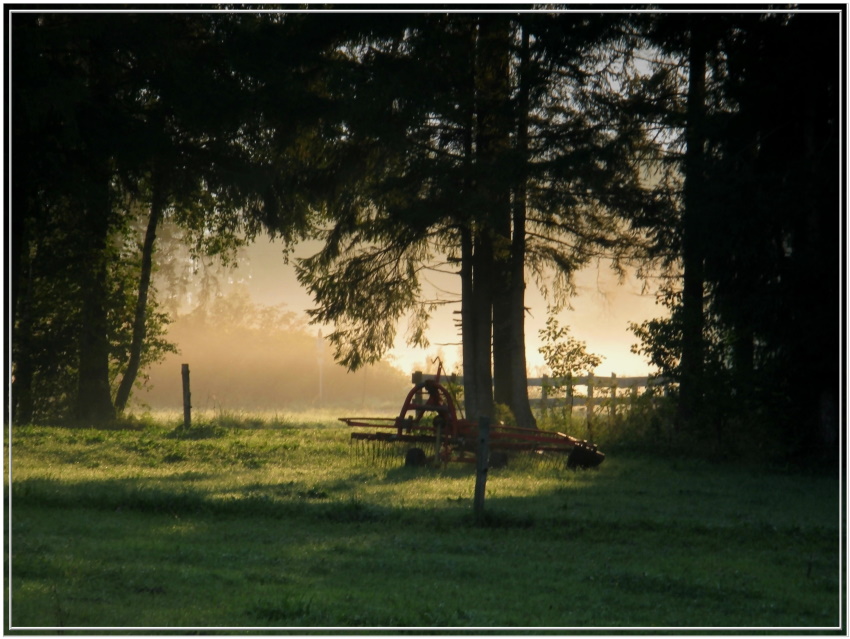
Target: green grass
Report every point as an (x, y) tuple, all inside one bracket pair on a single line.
[(284, 524)]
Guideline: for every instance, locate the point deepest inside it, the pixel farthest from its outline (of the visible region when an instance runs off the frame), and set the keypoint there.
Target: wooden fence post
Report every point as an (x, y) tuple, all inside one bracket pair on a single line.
[(482, 458), (187, 398), (544, 395), (589, 402), (612, 408)]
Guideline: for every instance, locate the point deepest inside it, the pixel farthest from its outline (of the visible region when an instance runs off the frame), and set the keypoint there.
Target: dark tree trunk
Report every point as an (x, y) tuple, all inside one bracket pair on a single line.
[(693, 319), (21, 387), (508, 219), (467, 322), (815, 319), (467, 312), (510, 375), (743, 352), (94, 400), (518, 399), (502, 331), (21, 223), (94, 396), (158, 201), (492, 249), (482, 324)]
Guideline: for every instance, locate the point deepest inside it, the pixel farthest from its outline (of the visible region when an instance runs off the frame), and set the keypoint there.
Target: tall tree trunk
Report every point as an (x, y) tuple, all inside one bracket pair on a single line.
[(468, 326), (482, 321), (816, 259), (94, 400), (509, 364), (94, 396), (495, 129), (518, 385), (502, 329), (467, 306), (693, 319), (22, 291), (18, 394), (518, 400), (492, 250), (743, 354), (158, 202)]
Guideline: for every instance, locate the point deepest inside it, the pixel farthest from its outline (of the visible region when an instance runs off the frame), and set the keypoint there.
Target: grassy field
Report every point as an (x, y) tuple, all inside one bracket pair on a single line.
[(247, 524)]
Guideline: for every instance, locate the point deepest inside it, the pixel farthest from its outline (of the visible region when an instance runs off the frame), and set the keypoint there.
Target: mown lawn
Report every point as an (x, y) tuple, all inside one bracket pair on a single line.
[(283, 524)]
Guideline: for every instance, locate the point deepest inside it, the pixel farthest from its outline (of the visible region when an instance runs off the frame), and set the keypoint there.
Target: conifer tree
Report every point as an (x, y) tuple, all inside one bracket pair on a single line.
[(767, 135), (451, 172)]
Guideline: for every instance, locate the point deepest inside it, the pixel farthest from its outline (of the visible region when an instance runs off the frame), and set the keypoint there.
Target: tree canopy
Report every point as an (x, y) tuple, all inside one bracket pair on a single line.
[(508, 147)]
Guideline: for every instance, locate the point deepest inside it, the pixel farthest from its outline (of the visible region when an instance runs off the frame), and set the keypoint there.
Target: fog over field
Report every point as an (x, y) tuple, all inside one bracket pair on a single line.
[(601, 313), (252, 347), (243, 356)]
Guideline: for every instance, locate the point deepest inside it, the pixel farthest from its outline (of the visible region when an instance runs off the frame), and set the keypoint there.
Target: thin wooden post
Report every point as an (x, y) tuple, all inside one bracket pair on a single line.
[(633, 397), (544, 395), (612, 409), (589, 402), (187, 398), (482, 459), (320, 360)]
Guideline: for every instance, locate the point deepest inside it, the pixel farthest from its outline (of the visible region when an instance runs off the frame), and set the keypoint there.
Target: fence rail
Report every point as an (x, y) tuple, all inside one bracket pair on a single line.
[(597, 381), (601, 391)]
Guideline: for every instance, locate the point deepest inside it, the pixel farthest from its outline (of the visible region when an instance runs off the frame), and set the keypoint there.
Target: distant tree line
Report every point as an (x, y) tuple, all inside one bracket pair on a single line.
[(503, 146)]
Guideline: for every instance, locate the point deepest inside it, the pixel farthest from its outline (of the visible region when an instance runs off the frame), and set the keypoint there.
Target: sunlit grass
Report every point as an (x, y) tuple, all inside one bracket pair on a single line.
[(285, 523)]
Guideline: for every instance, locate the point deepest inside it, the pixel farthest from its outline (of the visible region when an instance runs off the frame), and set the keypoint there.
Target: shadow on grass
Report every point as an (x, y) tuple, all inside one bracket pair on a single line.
[(295, 554), (404, 474), (257, 500)]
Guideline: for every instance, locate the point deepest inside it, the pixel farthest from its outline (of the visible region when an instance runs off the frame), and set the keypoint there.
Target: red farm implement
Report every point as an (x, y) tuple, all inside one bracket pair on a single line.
[(430, 420)]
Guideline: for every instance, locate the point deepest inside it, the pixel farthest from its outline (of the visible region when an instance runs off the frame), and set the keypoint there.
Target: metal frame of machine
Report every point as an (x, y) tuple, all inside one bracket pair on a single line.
[(454, 437)]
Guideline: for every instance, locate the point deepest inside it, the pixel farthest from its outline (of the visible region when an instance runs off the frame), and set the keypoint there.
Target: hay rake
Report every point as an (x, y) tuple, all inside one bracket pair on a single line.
[(429, 420)]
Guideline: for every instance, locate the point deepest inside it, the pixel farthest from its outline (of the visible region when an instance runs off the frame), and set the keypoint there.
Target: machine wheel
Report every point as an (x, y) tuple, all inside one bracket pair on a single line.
[(415, 457), (584, 457), (498, 459)]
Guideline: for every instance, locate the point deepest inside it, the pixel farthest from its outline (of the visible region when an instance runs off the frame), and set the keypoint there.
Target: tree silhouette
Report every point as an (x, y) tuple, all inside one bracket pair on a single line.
[(499, 171), (769, 140), (111, 109)]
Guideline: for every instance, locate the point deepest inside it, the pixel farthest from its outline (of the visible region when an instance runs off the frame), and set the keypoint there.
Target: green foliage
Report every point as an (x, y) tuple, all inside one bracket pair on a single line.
[(47, 331), (455, 389), (364, 293), (504, 415), (566, 357), (661, 343), (123, 286), (740, 405), (112, 112)]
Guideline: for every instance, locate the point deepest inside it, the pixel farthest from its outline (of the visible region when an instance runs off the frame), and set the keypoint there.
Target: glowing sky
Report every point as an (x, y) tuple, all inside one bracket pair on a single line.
[(601, 313)]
